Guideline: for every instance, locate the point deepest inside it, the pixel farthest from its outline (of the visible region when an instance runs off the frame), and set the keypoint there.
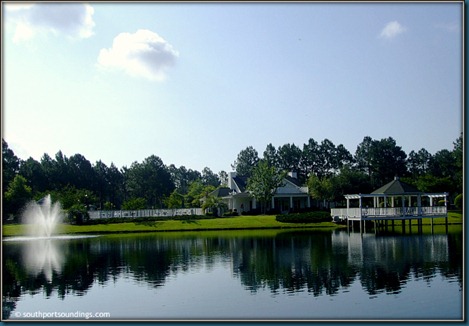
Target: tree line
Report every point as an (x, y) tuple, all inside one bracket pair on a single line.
[(329, 170)]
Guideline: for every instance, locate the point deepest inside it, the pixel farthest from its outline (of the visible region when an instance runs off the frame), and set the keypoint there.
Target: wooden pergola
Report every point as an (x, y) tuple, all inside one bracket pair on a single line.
[(394, 201)]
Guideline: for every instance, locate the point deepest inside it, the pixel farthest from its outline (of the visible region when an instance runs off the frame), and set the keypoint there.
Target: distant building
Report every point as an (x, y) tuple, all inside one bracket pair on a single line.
[(395, 200), (292, 196)]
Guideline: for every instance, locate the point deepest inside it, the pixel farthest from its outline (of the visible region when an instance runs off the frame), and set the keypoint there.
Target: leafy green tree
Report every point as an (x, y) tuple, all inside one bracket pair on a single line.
[(134, 203), (364, 156), (215, 205), (327, 161), (418, 162), (245, 163), (69, 196), (61, 170), (17, 195), (108, 185), (33, 172), (109, 206), (350, 181), (458, 201), (309, 163), (194, 194), (390, 160), (271, 156), (81, 173), (381, 159), (209, 178), (289, 156), (175, 200), (182, 177), (343, 158), (458, 155), (431, 183), (321, 188), (48, 167), (10, 165), (264, 182), (197, 191), (150, 180), (78, 214), (223, 178)]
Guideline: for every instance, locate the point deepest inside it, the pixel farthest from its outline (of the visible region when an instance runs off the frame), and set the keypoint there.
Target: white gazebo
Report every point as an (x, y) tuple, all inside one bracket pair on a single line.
[(394, 201)]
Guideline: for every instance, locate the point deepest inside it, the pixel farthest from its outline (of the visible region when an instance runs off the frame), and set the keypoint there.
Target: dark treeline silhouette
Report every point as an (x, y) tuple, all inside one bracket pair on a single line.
[(330, 171)]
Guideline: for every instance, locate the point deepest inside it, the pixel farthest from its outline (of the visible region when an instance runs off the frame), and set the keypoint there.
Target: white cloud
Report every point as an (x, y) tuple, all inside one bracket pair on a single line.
[(392, 29), (73, 20), (143, 54)]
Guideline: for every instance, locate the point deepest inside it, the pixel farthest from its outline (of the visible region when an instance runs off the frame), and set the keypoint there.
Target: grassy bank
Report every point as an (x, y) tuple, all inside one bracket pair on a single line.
[(232, 223)]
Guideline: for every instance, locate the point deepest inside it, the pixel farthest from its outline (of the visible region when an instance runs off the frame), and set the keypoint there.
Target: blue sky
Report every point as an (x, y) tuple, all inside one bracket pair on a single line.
[(196, 83)]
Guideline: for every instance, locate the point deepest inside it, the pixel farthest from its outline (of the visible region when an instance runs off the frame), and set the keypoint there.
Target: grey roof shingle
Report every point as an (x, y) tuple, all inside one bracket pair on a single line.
[(396, 187), (220, 192), (241, 182)]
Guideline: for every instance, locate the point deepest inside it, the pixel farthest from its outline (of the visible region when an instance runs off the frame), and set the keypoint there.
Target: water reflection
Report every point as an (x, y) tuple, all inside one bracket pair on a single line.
[(319, 263), (43, 256)]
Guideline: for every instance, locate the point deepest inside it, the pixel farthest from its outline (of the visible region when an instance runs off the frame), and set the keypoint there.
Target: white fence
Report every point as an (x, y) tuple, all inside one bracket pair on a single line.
[(145, 213)]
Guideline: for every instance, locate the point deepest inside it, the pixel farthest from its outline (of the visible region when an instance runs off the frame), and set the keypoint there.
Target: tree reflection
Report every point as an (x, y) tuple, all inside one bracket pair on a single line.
[(321, 263)]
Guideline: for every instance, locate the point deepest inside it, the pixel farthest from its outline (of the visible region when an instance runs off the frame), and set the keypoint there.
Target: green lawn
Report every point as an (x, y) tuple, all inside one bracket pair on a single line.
[(231, 223)]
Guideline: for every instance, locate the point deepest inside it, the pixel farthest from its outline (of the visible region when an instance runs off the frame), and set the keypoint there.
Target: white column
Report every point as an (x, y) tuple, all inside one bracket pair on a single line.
[(273, 202), (360, 205), (419, 204), (291, 202), (403, 205)]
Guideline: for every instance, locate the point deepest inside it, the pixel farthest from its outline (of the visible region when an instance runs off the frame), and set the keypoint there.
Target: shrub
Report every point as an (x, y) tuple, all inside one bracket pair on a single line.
[(230, 213), (77, 214), (310, 217), (458, 201)]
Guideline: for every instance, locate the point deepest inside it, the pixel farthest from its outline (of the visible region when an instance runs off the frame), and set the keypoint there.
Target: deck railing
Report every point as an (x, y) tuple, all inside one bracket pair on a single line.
[(377, 212)]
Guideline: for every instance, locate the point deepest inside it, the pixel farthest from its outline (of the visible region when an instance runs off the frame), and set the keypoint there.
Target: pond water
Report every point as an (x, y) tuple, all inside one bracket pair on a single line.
[(249, 275)]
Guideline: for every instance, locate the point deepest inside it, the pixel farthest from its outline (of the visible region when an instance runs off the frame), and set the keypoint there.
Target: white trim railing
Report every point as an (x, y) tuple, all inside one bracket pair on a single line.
[(371, 212), (145, 213)]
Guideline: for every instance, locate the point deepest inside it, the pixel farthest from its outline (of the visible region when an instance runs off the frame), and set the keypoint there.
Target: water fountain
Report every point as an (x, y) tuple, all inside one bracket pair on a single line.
[(42, 217), (41, 247)]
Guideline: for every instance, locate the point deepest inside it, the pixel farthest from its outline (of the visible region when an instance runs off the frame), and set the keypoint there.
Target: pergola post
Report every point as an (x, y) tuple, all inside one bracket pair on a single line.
[(360, 205), (419, 205), (403, 205), (446, 214)]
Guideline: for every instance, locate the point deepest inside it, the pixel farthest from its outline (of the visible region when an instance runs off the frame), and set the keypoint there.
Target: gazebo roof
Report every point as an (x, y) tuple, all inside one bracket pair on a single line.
[(396, 187)]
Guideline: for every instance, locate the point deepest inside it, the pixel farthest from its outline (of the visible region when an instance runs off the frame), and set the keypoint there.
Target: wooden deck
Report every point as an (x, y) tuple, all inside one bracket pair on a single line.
[(389, 213), (381, 216)]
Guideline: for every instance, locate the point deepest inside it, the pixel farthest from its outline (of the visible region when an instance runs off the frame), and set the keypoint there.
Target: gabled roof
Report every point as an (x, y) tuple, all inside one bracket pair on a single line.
[(396, 187), (241, 182), (293, 180), (221, 192)]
